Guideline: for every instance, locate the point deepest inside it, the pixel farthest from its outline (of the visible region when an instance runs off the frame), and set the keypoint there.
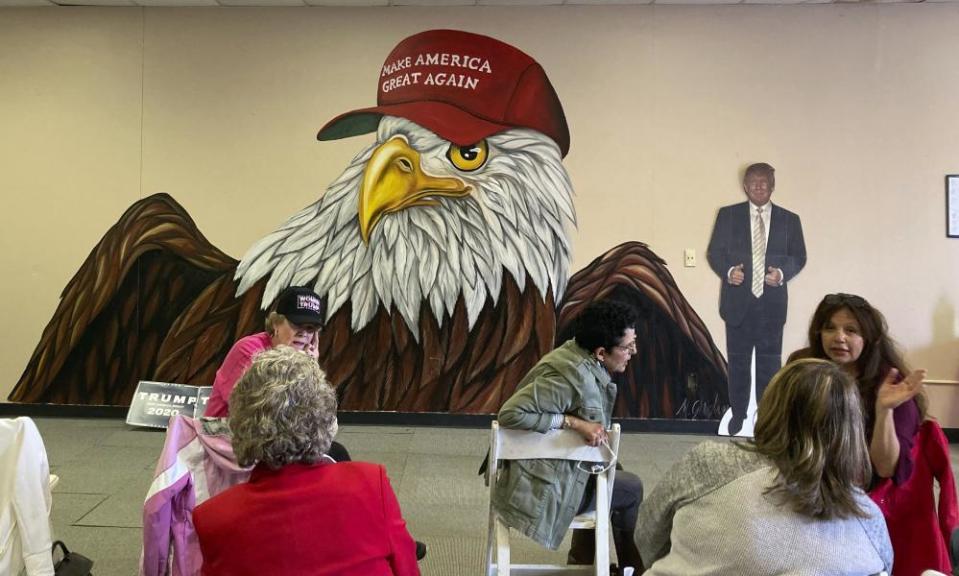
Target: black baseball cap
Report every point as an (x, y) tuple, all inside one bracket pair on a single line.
[(300, 305)]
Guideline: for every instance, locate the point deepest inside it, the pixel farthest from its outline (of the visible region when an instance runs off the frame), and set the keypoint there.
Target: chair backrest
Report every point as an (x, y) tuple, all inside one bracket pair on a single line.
[(507, 444)]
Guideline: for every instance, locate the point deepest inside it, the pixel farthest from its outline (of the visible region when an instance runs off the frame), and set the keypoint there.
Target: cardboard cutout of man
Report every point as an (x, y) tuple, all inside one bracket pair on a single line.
[(756, 248)]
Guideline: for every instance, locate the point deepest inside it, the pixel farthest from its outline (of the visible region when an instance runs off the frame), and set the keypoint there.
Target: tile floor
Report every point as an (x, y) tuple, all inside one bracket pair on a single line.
[(106, 466)]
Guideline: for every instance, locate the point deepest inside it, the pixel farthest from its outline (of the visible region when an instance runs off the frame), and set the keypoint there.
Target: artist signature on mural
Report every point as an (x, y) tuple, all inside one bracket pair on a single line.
[(701, 409)]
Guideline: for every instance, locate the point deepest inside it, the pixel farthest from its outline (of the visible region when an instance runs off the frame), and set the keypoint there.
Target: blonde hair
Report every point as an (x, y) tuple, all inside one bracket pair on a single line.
[(282, 410), (271, 321), (810, 426)]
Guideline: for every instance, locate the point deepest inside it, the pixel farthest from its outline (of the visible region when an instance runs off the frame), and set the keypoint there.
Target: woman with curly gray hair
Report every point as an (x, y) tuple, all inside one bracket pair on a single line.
[(790, 501), (299, 513)]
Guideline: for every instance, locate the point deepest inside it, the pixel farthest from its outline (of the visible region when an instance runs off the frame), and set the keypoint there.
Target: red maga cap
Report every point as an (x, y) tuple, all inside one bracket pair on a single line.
[(462, 86)]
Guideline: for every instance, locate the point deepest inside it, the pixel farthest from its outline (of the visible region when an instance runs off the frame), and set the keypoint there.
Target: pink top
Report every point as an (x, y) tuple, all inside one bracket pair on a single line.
[(237, 360)]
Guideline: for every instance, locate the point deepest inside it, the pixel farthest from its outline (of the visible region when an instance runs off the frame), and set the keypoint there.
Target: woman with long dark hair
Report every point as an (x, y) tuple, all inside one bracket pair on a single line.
[(847, 330), (908, 452)]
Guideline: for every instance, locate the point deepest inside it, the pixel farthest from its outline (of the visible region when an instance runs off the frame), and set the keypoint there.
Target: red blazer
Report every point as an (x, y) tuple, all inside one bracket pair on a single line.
[(919, 530), (317, 520)]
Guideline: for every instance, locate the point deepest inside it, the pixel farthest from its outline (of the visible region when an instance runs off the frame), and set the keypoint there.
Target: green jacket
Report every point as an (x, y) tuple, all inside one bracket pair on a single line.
[(539, 498)]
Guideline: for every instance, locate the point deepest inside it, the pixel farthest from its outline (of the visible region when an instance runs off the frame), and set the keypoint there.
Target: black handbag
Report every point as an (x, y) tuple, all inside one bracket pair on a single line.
[(71, 564)]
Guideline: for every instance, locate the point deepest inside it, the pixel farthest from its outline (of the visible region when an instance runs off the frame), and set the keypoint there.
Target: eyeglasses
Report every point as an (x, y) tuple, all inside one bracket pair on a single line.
[(631, 347), (844, 299)]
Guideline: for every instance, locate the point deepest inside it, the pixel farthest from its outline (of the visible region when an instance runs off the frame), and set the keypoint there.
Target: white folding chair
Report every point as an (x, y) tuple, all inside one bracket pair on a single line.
[(508, 444)]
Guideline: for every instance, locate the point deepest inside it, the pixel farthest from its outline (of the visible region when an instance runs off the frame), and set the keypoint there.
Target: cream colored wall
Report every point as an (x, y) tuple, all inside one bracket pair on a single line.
[(854, 105)]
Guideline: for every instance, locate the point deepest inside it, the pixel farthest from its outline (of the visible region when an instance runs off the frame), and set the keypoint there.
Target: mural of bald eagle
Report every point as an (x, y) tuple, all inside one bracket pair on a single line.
[(440, 263)]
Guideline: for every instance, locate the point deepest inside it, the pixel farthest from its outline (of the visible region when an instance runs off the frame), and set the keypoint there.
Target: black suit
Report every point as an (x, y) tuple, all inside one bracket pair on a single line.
[(754, 323)]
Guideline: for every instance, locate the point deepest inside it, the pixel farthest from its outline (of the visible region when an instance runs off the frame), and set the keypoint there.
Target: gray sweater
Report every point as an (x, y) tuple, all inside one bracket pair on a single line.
[(709, 516)]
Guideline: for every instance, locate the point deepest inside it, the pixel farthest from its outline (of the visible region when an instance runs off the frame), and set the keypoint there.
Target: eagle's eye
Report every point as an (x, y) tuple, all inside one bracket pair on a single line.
[(468, 158)]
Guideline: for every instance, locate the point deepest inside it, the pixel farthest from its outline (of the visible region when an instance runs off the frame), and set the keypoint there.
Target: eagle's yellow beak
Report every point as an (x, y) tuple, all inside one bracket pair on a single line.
[(393, 180)]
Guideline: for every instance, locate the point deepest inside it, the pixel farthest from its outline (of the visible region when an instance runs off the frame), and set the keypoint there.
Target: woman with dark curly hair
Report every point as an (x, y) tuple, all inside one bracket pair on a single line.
[(299, 513), (572, 388), (790, 501)]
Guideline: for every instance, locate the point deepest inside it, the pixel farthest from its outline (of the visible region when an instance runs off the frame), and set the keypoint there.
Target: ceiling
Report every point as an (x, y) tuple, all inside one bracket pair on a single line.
[(355, 3)]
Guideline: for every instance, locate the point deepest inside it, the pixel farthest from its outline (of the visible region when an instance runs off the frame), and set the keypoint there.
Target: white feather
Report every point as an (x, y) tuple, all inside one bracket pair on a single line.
[(474, 299), (429, 267), (436, 305), (383, 277), (364, 302)]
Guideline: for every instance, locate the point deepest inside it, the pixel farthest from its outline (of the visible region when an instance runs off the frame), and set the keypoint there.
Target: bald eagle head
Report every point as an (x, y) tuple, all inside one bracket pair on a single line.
[(418, 220)]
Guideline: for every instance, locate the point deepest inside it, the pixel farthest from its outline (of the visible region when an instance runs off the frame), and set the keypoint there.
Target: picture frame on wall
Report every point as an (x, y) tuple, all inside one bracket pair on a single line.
[(952, 205)]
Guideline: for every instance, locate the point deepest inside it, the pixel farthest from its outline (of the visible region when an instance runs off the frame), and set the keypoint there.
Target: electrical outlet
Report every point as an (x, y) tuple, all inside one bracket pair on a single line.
[(689, 257)]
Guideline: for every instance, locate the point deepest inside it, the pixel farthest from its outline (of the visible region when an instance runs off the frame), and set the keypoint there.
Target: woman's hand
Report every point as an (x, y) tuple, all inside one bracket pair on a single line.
[(592, 432), (893, 392), (313, 348)]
